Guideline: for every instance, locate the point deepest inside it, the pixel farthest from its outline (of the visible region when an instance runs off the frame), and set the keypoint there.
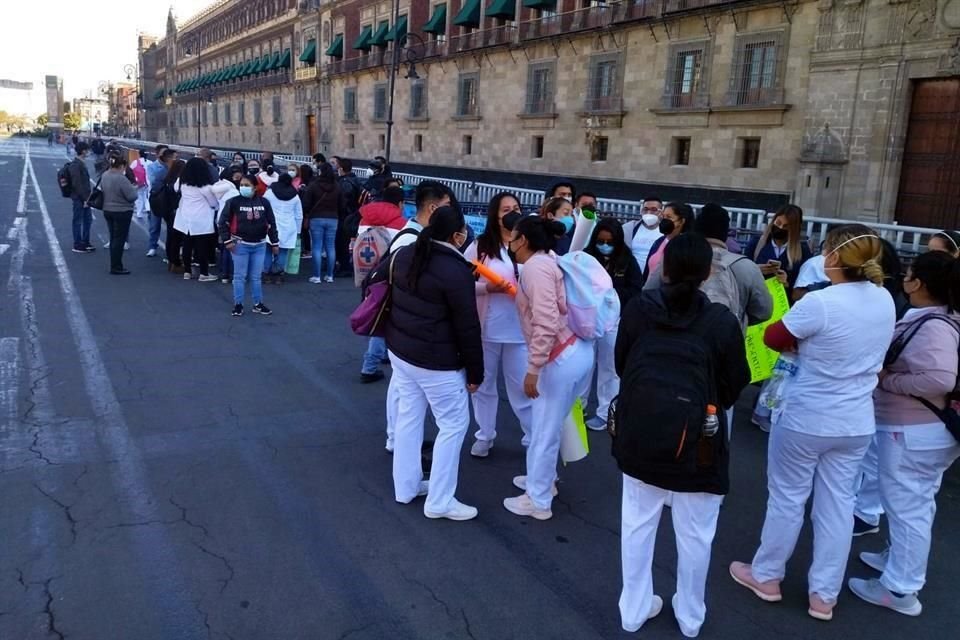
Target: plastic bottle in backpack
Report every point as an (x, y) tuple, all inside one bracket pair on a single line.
[(711, 425)]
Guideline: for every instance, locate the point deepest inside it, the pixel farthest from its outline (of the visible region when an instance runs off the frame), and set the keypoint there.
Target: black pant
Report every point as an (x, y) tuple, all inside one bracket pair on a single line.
[(197, 248), (118, 223), (174, 242)]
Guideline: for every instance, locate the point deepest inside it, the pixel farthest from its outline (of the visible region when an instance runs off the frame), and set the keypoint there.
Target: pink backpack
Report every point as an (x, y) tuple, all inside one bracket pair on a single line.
[(139, 173)]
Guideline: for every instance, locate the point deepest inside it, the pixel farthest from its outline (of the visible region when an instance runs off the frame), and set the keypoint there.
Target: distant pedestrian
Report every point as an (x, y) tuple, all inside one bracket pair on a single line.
[(99, 150), (80, 193), (246, 226), (119, 196), (321, 205), (195, 217), (139, 169)]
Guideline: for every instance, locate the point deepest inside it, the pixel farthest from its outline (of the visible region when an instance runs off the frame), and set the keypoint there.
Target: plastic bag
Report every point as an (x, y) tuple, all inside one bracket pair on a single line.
[(293, 259), (770, 403)]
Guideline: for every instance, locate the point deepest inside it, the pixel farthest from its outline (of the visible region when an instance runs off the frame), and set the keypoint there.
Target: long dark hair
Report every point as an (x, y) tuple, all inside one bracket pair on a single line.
[(490, 241), (686, 264), (541, 233), (196, 173), (444, 222), (620, 258), (306, 174), (176, 170), (940, 274)]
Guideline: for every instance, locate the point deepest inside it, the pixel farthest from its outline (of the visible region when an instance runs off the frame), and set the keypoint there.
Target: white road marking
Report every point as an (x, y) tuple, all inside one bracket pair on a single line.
[(22, 200), (9, 380), (163, 574)]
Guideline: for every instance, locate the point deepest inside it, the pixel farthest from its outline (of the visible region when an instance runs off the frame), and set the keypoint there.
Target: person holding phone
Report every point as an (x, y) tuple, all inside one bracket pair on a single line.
[(780, 250)]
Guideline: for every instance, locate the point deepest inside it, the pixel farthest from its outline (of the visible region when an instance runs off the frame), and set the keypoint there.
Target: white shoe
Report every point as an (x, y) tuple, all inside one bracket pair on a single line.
[(106, 246), (520, 482), (207, 278), (187, 275), (876, 561), (458, 512), (389, 446), (126, 246), (481, 448), (523, 506), (656, 606), (316, 280), (596, 423), (423, 489), (328, 280), (686, 632), (151, 253)]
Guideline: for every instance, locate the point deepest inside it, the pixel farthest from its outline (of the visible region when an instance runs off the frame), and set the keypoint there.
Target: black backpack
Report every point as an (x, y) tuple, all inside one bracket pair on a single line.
[(667, 383), (63, 179), (164, 202)]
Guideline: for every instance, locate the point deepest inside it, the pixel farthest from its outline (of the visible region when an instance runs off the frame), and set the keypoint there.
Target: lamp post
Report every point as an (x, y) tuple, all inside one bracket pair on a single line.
[(132, 71), (412, 58), (200, 94)]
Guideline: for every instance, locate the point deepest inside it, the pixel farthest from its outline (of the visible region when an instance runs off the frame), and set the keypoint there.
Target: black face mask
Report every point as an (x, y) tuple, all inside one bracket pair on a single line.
[(779, 234), (253, 172), (667, 226)]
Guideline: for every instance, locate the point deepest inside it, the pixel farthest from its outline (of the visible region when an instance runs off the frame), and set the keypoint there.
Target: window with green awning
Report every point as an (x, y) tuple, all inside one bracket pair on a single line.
[(274, 62), (379, 38), (285, 59), (265, 62), (309, 54), (438, 21), (542, 5), (469, 15), (505, 9), (399, 30), (335, 50), (362, 43)]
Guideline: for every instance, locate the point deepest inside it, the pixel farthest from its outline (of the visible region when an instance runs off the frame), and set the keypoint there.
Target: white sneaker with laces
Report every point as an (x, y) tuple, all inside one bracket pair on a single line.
[(457, 512), (316, 280), (151, 253), (481, 448), (874, 592), (523, 506), (328, 280), (207, 278), (520, 482), (876, 561)]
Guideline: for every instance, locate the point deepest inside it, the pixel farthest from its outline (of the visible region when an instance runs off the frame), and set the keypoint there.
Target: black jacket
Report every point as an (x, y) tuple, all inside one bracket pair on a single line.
[(350, 191), (731, 375), (248, 220), (436, 326), (79, 179), (321, 200)]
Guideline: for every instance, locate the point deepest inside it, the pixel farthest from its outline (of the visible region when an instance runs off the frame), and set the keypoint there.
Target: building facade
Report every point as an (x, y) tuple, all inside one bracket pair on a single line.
[(849, 107), (94, 112)]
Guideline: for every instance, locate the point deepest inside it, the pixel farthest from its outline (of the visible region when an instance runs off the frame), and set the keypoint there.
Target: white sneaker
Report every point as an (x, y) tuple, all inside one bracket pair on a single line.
[(423, 489), (316, 280), (596, 423), (106, 246), (689, 633), (656, 606), (481, 448), (187, 275), (523, 506), (151, 253), (876, 561), (126, 246), (328, 280), (207, 278), (458, 511), (389, 446), (520, 482), (874, 592)]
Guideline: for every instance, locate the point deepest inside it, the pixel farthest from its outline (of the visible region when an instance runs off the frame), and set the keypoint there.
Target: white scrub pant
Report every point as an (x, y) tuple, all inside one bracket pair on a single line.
[(446, 394), (608, 382), (909, 481), (142, 204), (869, 507), (486, 399), (694, 524), (796, 464), (393, 403), (558, 385)]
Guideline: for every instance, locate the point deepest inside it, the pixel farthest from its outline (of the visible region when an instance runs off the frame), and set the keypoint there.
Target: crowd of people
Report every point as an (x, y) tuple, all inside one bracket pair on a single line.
[(866, 421)]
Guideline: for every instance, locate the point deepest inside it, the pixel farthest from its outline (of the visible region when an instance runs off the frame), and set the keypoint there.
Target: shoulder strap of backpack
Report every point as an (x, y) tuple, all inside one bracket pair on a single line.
[(403, 232), (898, 345)]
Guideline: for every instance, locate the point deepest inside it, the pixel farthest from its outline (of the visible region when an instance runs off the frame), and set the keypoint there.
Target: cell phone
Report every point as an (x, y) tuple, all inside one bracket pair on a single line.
[(773, 263)]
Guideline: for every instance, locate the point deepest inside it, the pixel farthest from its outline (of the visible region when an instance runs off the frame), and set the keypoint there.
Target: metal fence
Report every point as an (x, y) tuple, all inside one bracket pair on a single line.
[(909, 241)]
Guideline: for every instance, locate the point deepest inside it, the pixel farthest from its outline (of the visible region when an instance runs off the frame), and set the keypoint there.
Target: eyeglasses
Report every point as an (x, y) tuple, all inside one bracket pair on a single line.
[(651, 209)]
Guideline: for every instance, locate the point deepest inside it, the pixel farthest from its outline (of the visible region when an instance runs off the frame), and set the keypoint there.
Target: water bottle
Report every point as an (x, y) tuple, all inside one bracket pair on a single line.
[(711, 425)]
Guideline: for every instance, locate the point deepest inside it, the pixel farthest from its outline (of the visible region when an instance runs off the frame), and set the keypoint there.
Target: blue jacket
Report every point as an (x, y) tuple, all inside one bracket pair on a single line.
[(156, 172), (767, 253)]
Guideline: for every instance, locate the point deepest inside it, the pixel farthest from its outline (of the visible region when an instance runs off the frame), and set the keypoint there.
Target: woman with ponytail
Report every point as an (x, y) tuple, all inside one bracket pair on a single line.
[(826, 420), (433, 337), (659, 329), (557, 361), (914, 448)]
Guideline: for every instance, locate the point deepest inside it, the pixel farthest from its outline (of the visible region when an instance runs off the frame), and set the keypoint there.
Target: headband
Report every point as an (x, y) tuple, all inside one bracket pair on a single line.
[(849, 240), (944, 234)]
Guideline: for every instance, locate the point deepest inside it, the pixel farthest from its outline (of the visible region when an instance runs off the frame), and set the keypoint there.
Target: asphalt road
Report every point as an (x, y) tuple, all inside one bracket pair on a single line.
[(167, 471)]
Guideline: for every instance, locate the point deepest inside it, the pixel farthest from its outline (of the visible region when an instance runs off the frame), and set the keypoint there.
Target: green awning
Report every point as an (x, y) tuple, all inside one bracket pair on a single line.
[(399, 31), (285, 59), (469, 15), (438, 21), (362, 43), (542, 5), (335, 50), (379, 38), (247, 68), (264, 63), (157, 94), (309, 54), (502, 9), (274, 63), (257, 65), (235, 70)]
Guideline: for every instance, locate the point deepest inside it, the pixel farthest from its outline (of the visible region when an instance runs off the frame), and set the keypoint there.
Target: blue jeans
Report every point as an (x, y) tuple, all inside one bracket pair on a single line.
[(248, 263), (82, 219), (376, 352), (276, 263), (323, 236), (155, 222)]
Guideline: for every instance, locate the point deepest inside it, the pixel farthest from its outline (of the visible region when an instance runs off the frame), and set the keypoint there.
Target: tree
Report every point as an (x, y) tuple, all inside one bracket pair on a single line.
[(42, 120), (71, 121)]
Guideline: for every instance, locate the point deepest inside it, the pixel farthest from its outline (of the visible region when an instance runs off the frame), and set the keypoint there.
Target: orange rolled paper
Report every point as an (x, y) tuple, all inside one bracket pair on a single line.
[(492, 276)]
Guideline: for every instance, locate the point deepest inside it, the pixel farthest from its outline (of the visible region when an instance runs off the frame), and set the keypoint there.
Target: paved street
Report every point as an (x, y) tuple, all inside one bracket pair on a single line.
[(168, 472)]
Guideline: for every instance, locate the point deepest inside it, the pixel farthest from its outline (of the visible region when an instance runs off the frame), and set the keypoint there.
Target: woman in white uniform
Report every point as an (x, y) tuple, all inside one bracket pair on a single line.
[(826, 422), (503, 343), (557, 360), (914, 448)]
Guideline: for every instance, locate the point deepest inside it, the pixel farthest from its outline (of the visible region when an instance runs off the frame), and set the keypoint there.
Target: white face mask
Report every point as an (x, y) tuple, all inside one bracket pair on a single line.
[(651, 220), (292, 173)]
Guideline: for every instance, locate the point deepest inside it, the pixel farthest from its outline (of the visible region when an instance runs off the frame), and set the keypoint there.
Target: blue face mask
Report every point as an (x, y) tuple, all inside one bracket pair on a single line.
[(604, 249), (246, 191), (567, 222)]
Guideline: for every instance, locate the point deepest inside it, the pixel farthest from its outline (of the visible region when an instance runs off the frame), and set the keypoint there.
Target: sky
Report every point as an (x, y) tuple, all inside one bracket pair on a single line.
[(83, 42)]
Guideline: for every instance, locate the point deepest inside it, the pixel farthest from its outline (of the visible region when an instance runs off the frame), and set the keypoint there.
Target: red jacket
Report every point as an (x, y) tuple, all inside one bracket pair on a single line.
[(382, 214)]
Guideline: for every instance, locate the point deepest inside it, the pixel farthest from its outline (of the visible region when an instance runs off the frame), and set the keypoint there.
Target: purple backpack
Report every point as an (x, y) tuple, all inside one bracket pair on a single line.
[(369, 319)]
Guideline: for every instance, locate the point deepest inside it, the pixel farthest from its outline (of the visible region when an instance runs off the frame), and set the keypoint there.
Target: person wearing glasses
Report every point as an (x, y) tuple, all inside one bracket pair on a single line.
[(642, 233)]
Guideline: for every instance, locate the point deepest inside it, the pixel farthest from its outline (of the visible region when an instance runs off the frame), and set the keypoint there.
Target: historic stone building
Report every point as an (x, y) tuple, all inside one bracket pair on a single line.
[(849, 107)]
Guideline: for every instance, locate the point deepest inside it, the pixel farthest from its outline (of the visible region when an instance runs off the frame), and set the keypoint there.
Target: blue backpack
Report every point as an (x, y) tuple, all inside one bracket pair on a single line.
[(593, 306)]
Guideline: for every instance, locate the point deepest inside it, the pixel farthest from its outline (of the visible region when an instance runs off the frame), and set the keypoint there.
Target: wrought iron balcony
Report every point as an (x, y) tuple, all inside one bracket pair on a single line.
[(504, 34), (603, 104)]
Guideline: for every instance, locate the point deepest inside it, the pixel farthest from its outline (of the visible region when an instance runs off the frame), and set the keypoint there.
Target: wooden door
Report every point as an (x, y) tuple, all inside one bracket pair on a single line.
[(929, 194), (312, 134)]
